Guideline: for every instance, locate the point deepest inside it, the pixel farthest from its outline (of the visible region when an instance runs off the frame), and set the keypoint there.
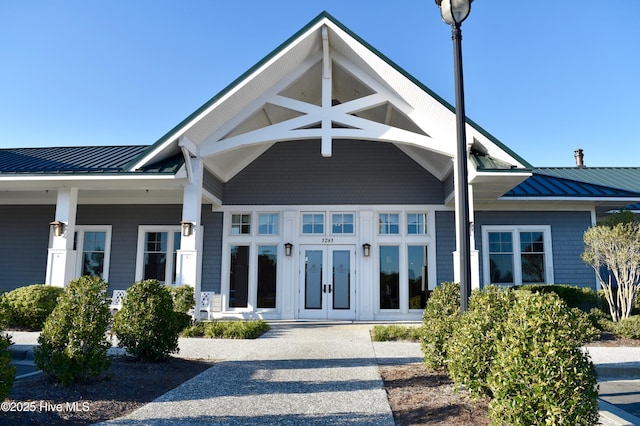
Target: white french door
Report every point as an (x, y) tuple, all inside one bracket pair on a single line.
[(327, 282)]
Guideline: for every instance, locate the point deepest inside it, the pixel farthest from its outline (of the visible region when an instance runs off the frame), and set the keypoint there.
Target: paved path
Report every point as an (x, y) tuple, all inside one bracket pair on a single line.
[(312, 374)]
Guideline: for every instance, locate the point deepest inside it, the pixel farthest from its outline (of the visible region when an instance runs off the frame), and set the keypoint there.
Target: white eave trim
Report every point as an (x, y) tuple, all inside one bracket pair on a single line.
[(558, 198)]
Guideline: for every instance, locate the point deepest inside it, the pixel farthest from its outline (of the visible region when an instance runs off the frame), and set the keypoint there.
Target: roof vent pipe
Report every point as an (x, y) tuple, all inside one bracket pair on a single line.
[(579, 155)]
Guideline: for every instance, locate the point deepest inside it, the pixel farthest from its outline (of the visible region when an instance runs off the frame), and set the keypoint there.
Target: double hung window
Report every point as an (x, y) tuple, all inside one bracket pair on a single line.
[(517, 255), (157, 254), (94, 246)]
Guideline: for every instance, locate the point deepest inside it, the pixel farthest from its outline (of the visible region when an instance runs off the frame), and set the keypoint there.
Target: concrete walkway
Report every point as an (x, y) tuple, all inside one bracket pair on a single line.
[(312, 374), (315, 373)]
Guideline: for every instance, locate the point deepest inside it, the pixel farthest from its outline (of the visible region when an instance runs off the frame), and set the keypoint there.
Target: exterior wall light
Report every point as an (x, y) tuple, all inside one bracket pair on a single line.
[(57, 227), (187, 228), (287, 249), (366, 249)]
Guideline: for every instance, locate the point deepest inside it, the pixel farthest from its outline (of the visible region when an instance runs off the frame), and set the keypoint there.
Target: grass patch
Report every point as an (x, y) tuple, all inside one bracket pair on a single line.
[(393, 332), (227, 329)]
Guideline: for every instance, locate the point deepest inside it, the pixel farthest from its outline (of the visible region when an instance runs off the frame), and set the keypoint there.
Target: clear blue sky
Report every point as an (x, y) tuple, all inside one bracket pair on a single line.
[(545, 78)]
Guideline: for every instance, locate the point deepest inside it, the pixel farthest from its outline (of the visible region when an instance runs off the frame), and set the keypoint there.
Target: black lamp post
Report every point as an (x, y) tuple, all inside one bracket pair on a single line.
[(453, 13)]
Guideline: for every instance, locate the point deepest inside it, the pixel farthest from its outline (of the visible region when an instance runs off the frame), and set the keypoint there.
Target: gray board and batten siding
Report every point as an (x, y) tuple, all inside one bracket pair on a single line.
[(125, 220), (24, 245), (358, 172), (567, 229), (23, 253)]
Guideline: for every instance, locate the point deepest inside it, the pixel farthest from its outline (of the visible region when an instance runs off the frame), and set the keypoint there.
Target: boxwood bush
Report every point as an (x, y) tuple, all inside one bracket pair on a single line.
[(30, 306), (7, 370), (439, 319), (582, 298), (73, 343), (183, 298), (147, 325), (539, 374), (628, 328), (393, 332), (472, 346)]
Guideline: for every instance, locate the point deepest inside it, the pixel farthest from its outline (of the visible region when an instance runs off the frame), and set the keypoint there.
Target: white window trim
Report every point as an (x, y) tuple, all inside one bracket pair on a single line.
[(353, 223), (81, 229), (324, 223), (257, 227), (427, 223), (170, 267), (517, 266), (252, 225)]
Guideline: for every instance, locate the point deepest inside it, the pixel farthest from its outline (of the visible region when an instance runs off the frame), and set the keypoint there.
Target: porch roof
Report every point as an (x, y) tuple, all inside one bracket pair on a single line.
[(80, 160)]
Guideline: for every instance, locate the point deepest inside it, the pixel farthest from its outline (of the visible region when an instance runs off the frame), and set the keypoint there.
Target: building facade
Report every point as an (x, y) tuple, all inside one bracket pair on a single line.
[(318, 185)]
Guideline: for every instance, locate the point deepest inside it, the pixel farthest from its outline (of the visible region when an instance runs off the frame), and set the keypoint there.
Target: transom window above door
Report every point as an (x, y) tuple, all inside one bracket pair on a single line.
[(241, 224), (389, 224), (342, 223), (313, 223), (268, 224)]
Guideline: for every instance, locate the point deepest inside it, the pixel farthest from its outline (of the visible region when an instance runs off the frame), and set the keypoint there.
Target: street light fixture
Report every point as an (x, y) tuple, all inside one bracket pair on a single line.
[(453, 13)]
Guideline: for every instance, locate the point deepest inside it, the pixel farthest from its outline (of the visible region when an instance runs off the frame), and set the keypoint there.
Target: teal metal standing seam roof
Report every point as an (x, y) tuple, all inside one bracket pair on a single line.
[(73, 160), (580, 182)]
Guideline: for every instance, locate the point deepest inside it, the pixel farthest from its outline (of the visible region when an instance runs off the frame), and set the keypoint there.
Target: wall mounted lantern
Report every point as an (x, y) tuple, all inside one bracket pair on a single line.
[(287, 249), (57, 227), (366, 249), (187, 228)]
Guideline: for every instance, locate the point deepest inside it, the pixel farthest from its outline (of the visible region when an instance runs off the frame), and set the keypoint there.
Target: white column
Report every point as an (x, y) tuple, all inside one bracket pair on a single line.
[(189, 262), (61, 257), (288, 285), (475, 260), (365, 282)]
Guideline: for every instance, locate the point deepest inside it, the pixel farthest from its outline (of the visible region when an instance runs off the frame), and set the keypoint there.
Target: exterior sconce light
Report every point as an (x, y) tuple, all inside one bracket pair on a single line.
[(187, 228), (287, 249), (57, 227), (366, 249)]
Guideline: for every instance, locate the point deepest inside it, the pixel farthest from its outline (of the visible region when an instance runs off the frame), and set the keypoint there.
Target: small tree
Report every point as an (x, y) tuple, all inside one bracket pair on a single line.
[(613, 251), (73, 343)]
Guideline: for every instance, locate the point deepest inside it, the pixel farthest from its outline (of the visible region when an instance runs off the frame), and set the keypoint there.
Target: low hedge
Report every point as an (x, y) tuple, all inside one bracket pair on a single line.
[(582, 298), (231, 329), (394, 332)]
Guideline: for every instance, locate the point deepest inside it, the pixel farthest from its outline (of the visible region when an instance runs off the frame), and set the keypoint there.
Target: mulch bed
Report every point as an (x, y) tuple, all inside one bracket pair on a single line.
[(126, 386)]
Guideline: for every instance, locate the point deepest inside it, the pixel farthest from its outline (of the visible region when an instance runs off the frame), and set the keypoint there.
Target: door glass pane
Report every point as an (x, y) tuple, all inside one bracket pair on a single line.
[(93, 253), (389, 277), (341, 279), (313, 279), (239, 277), (417, 277), (267, 266), (155, 256)]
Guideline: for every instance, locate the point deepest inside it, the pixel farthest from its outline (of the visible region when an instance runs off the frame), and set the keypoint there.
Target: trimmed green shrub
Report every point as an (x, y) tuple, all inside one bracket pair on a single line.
[(539, 374), (232, 329), (7, 370), (73, 343), (147, 326), (5, 311), (582, 298), (392, 332), (472, 346), (183, 298), (30, 306), (628, 328), (439, 319)]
